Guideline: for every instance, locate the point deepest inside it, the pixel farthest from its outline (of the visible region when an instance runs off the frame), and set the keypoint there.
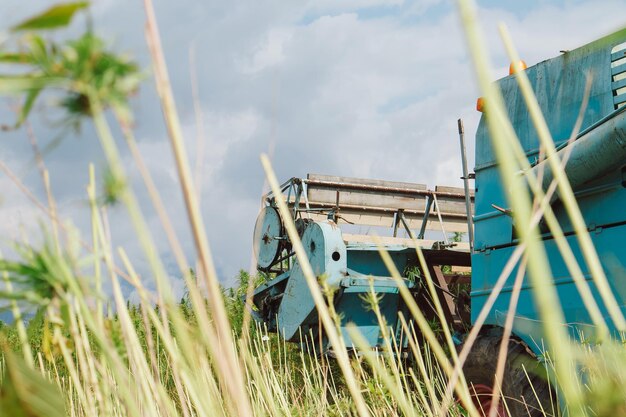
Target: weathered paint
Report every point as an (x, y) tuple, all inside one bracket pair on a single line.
[(596, 170), (266, 240)]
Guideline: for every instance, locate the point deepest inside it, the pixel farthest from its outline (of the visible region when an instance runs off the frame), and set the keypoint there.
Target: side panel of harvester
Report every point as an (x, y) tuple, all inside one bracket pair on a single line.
[(596, 169)]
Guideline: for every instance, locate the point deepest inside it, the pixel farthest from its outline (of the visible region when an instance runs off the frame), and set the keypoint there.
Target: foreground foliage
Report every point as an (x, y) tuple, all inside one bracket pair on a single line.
[(86, 353)]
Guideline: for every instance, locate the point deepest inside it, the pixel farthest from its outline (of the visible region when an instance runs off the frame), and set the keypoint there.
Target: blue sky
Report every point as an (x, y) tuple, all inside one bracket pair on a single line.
[(365, 88)]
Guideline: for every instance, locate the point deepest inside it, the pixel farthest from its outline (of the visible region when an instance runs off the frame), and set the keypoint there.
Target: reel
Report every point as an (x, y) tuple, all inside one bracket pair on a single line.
[(269, 240)]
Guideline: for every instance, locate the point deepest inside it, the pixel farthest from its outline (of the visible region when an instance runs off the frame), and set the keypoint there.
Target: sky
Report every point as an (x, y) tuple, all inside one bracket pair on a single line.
[(359, 88)]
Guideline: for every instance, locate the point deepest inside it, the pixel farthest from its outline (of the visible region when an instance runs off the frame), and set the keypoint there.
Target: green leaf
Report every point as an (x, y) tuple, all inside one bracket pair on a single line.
[(26, 393), (15, 58), (55, 17), (15, 84), (31, 96)]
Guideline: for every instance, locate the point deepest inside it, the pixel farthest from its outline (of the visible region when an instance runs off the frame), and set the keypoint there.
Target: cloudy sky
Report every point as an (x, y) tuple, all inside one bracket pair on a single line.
[(364, 88)]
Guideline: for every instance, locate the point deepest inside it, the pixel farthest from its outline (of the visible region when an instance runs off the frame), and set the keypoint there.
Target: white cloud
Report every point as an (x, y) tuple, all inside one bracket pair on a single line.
[(330, 6), (268, 53), (541, 33)]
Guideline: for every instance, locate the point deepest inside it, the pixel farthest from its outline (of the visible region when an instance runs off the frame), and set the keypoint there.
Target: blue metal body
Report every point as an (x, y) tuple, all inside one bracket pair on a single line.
[(351, 271), (597, 171)]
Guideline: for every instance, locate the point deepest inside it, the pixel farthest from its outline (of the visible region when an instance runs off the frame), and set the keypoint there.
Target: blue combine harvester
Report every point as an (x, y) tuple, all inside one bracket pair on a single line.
[(331, 214)]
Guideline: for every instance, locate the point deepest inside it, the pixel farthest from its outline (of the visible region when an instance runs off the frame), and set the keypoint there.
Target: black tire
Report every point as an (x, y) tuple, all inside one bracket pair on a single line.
[(521, 365)]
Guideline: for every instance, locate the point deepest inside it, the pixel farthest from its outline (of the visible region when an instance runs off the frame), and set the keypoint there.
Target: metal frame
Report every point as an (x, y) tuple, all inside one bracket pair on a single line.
[(401, 203), (297, 189)]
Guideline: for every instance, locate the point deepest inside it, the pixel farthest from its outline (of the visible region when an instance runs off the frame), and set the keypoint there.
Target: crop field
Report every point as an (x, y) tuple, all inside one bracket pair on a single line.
[(80, 351)]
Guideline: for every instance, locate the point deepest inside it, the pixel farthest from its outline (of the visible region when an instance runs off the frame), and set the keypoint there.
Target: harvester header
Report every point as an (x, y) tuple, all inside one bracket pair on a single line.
[(334, 216)]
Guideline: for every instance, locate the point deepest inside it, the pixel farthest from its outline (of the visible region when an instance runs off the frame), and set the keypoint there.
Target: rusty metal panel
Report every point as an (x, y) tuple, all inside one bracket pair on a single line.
[(366, 181), (369, 202), (364, 199), (365, 192), (449, 204), (452, 190)]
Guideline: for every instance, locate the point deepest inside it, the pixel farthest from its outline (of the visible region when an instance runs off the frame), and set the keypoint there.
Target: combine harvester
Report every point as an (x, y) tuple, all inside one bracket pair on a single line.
[(326, 208)]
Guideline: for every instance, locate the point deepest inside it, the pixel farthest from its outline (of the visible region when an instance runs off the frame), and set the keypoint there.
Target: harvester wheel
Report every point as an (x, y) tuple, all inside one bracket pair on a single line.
[(523, 397)]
